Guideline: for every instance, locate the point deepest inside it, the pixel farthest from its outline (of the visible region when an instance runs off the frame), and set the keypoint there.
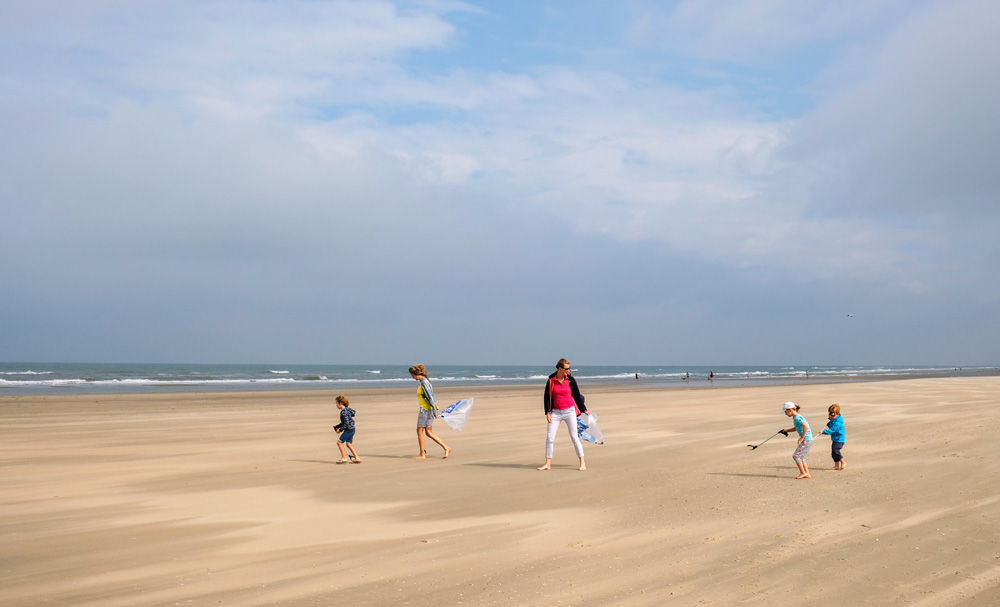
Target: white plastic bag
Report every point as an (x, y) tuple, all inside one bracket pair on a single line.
[(457, 414), (588, 430)]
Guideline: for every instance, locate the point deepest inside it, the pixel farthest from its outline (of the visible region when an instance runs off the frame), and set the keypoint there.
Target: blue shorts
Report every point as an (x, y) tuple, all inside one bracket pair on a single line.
[(347, 436), (425, 419)]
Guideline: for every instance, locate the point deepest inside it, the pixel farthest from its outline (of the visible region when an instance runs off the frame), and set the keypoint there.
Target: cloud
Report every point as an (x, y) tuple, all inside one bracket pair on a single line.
[(761, 33), (339, 172), (917, 130)]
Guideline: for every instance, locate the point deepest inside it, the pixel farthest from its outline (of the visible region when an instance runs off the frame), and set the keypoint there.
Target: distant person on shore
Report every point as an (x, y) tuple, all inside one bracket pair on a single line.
[(561, 399), (711, 375), (346, 431), (805, 437), (428, 411), (835, 428)]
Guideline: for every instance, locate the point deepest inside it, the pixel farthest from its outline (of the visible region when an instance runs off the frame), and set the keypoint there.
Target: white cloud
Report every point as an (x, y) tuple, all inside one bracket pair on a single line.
[(248, 58), (761, 31), (918, 132), (224, 149)]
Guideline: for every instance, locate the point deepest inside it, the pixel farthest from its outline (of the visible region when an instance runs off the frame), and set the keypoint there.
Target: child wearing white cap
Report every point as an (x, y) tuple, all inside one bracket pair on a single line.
[(805, 437)]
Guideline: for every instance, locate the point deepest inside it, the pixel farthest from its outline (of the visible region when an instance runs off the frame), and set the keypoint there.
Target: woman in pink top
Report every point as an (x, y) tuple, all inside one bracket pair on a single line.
[(562, 399)]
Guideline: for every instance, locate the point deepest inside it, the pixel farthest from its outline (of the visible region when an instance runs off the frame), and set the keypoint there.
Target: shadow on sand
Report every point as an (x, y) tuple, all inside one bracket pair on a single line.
[(519, 466), (743, 474)]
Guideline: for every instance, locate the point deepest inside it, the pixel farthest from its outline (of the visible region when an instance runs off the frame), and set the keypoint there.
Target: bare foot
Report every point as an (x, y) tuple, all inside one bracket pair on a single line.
[(803, 476), (447, 452), (421, 456), (546, 467), (835, 467), (843, 464), (583, 466)]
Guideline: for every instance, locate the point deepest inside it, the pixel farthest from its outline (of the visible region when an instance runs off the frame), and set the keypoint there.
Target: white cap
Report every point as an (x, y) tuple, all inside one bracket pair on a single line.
[(787, 406)]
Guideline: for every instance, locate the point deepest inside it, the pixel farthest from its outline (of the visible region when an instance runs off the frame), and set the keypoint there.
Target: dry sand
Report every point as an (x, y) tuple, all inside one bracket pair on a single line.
[(234, 499)]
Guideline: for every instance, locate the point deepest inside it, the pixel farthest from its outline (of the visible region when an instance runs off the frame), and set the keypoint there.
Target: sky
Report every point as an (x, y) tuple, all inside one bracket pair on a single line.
[(753, 182)]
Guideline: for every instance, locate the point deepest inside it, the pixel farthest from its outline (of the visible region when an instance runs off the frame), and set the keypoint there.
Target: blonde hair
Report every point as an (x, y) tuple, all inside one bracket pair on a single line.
[(342, 400), (562, 361), (419, 370), (835, 409)]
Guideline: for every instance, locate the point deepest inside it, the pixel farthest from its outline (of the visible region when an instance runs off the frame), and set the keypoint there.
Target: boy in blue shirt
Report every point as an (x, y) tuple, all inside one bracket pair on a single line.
[(835, 428)]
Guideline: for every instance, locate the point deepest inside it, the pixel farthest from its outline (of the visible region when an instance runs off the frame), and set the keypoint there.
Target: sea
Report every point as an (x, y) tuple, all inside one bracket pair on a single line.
[(110, 378)]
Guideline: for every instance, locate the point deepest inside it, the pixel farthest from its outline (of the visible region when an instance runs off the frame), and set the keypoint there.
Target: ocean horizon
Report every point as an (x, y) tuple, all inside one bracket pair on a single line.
[(21, 378)]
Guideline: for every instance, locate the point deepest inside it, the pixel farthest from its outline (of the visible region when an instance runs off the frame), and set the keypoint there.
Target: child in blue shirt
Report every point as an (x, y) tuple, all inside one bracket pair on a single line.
[(805, 438), (346, 431), (835, 428)]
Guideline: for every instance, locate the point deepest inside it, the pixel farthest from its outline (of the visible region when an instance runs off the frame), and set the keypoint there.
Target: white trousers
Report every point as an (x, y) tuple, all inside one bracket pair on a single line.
[(559, 416)]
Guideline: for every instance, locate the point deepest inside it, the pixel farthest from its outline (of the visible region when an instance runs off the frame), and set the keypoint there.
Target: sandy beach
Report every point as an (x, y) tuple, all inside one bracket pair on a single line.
[(234, 499)]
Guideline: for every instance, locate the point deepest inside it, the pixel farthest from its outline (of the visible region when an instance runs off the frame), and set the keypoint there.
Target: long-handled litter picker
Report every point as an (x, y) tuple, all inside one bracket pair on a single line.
[(752, 447)]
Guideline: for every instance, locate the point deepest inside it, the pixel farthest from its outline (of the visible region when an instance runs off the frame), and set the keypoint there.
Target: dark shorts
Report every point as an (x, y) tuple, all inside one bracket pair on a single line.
[(835, 451), (347, 436)]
